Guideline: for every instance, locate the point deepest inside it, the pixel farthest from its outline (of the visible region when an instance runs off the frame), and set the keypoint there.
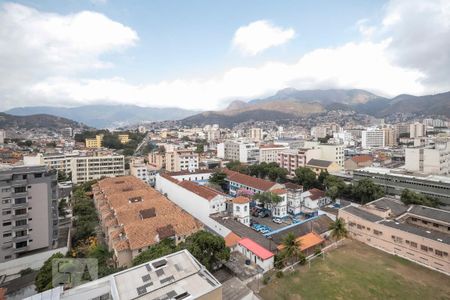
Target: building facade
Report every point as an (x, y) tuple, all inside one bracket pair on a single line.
[(294, 159), (269, 153), (29, 210), (373, 138), (86, 168)]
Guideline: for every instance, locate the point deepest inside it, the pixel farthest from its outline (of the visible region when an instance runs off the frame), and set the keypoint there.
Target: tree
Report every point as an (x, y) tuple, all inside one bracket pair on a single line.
[(306, 177), (334, 186), (43, 279), (62, 207), (208, 248), (367, 191), (322, 177), (410, 197), (291, 248), (200, 148), (219, 178), (267, 198), (165, 247), (236, 166), (62, 176), (338, 230)]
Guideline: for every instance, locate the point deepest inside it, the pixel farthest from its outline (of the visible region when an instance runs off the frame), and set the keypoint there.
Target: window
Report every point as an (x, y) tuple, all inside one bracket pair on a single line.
[(6, 212), (21, 222), (6, 201), (20, 189), (7, 223), (21, 211), (412, 244), (423, 248), (438, 253), (6, 190), (7, 234), (21, 233), (21, 244), (20, 200), (376, 232)]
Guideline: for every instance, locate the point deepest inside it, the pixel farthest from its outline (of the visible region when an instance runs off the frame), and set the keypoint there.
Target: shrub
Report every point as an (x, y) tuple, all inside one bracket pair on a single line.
[(265, 279), (279, 274)]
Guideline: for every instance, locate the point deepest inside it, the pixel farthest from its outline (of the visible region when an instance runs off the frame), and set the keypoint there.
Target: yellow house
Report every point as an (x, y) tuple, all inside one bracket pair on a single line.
[(318, 165), (95, 142), (124, 138)]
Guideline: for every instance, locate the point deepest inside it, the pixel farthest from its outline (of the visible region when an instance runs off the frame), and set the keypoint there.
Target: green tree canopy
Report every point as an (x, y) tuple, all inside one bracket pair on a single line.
[(338, 229), (267, 198), (43, 279), (291, 251), (165, 247), (366, 191), (410, 197), (306, 177)]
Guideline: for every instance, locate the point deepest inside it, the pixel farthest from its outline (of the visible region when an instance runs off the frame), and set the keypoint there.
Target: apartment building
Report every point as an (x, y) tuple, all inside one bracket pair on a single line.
[(429, 160), (174, 276), (394, 181), (245, 152), (94, 142), (373, 138), (417, 233), (182, 160), (143, 171), (123, 138), (331, 152), (56, 161), (2, 136), (390, 137), (86, 168), (29, 218), (269, 153), (417, 130), (256, 134), (294, 159), (135, 216)]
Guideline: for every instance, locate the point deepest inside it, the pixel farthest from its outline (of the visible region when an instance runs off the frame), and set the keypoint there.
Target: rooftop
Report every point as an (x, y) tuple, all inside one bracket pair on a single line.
[(253, 182), (362, 213), (402, 173), (423, 232), (431, 213), (241, 200), (397, 207), (319, 163), (307, 241), (361, 158), (200, 190), (258, 250), (316, 194)]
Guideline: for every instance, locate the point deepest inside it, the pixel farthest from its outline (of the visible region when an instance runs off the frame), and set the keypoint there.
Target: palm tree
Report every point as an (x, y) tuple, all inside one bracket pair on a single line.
[(291, 247), (338, 229)]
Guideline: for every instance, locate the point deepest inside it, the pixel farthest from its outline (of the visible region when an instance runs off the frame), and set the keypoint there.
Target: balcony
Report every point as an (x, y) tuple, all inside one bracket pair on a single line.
[(19, 205), (21, 227), (22, 216), (21, 238), (21, 249)]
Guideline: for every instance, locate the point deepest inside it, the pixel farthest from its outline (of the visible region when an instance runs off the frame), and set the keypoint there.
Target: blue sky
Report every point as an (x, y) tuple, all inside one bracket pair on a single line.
[(185, 54)]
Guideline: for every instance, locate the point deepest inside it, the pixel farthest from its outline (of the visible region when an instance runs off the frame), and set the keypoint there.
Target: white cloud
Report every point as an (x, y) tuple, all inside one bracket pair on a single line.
[(406, 53), (259, 36)]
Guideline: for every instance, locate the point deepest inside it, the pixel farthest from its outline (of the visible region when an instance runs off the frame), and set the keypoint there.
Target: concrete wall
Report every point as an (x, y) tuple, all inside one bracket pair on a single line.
[(265, 264)]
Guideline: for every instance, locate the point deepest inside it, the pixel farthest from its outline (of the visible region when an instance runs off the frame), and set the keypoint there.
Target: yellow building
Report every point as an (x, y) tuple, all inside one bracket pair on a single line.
[(318, 166), (124, 138), (95, 142)]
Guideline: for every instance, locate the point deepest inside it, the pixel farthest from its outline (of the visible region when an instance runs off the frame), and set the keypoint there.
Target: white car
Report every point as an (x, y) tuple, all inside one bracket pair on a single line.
[(277, 220)]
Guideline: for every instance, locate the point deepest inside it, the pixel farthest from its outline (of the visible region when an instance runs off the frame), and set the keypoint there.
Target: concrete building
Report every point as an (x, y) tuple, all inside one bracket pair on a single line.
[(312, 200), (86, 168), (242, 151), (143, 171), (319, 166), (294, 159), (134, 216), (256, 134), (294, 200), (417, 130), (390, 137), (417, 233), (394, 181), (241, 210), (357, 162), (256, 253), (373, 138), (56, 161), (2, 136), (29, 210), (182, 160), (123, 138), (94, 142), (331, 152), (175, 276), (269, 153), (254, 185), (429, 160), (67, 132)]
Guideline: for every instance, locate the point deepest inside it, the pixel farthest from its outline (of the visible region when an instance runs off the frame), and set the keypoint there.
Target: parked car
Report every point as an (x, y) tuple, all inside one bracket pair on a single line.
[(277, 220)]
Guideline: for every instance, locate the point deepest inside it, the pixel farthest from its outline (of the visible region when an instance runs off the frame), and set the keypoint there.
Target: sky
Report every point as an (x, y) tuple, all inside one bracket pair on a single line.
[(204, 54)]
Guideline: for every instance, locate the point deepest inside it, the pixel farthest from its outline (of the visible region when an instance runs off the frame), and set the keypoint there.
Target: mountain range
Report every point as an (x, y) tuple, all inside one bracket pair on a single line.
[(37, 121), (285, 104), (291, 103), (106, 116)]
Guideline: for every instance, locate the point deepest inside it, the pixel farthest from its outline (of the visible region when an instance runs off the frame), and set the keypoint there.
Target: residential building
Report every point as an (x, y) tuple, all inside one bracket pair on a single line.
[(157, 159), (269, 153), (417, 130), (239, 181), (86, 168), (429, 160), (294, 200), (280, 209), (394, 181), (56, 161), (143, 171), (241, 210), (358, 161), (417, 233), (313, 199), (2, 136), (123, 138), (319, 166), (390, 137), (174, 276), (67, 132), (256, 134), (245, 152), (181, 160), (256, 253), (29, 210), (373, 138), (134, 216), (401, 130), (94, 142), (294, 159), (331, 152)]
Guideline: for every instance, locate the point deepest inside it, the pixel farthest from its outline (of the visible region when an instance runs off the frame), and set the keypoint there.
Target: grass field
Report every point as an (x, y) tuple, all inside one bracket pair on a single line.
[(357, 271)]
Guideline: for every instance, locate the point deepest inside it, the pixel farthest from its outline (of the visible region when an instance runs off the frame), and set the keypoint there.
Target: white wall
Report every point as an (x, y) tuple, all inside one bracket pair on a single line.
[(190, 202), (265, 264)]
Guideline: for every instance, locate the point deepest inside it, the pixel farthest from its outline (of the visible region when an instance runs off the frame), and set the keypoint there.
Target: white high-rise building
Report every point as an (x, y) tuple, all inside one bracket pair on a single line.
[(373, 138), (433, 161), (417, 130), (2, 136), (86, 168), (242, 151), (256, 134)]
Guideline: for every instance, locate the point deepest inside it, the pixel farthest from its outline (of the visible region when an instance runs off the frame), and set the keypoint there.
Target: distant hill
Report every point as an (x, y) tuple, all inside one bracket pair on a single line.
[(37, 121), (107, 116), (291, 103)]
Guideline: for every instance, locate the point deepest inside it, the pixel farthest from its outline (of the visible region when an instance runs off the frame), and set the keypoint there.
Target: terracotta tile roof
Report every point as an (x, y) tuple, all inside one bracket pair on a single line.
[(307, 241), (241, 200), (293, 186), (253, 182), (316, 194), (141, 212), (362, 158), (279, 191), (202, 191), (232, 239)]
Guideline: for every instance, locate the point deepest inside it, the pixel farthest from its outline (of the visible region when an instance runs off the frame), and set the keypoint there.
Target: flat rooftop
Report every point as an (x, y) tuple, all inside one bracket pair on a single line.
[(420, 231), (396, 206), (402, 173)]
